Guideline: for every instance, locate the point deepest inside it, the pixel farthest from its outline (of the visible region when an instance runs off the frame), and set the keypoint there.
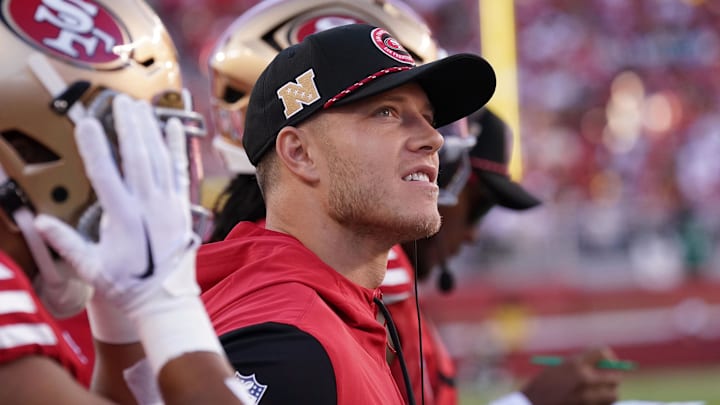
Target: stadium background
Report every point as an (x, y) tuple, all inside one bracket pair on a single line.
[(619, 121)]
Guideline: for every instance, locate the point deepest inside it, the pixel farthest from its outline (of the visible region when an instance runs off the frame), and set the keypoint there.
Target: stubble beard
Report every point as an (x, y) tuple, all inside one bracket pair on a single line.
[(356, 200)]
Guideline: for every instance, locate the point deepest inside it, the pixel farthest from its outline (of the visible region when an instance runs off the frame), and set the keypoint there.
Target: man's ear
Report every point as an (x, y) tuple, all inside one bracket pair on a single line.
[(292, 148)]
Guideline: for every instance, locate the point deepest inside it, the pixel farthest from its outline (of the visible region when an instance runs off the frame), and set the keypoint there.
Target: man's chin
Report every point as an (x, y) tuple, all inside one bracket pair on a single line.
[(399, 230), (422, 228)]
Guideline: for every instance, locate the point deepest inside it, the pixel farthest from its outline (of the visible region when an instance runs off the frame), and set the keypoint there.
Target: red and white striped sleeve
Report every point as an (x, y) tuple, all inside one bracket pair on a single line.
[(26, 328), (398, 282)]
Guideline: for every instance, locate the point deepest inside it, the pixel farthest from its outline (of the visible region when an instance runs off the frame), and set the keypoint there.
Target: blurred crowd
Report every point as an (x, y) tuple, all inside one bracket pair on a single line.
[(618, 100), (620, 129)]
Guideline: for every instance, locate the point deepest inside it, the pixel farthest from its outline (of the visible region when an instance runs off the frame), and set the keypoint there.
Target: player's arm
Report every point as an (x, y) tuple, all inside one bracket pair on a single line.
[(281, 364), (200, 378), (143, 266), (38, 379), (123, 374), (111, 360)]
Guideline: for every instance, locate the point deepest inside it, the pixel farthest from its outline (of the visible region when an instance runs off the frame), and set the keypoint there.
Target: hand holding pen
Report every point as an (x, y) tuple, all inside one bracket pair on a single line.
[(588, 378)]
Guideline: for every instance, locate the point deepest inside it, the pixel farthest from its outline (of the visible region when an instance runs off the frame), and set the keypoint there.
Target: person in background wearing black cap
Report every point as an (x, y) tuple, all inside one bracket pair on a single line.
[(488, 185), (342, 130), (474, 183)]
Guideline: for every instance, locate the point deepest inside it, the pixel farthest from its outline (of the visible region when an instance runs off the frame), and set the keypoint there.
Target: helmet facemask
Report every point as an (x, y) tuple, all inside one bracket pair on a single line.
[(455, 167)]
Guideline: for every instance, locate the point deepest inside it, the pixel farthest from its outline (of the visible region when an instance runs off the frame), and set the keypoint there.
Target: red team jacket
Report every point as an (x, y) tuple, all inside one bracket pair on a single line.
[(439, 368), (216, 266), (274, 303), (26, 328)]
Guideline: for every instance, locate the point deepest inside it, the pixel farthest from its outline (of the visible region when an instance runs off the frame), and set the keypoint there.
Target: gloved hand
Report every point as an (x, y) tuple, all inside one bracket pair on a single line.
[(144, 262), (145, 230)]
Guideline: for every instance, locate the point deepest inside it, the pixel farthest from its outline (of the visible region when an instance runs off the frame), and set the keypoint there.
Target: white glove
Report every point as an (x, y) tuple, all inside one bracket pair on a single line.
[(144, 263), (146, 224)]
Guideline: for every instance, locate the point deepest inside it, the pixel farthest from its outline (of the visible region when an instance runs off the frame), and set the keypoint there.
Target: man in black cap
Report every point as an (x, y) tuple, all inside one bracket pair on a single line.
[(342, 130), (472, 183), (488, 185)]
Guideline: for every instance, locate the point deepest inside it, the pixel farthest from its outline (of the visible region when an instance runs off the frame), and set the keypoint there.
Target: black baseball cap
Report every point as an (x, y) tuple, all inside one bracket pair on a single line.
[(351, 62), (489, 160)]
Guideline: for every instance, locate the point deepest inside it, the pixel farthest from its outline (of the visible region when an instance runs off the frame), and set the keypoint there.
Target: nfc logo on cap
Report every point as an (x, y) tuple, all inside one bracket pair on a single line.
[(295, 95)]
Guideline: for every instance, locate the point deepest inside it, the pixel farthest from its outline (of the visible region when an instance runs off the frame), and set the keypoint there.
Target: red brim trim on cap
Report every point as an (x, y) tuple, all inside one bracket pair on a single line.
[(363, 82), (489, 165)]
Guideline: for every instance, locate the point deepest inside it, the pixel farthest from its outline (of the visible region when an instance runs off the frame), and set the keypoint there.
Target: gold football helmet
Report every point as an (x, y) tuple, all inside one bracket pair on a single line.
[(63, 59), (253, 40)]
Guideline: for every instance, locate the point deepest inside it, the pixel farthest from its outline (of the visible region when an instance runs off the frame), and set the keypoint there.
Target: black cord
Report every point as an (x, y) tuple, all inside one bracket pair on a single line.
[(420, 339), (398, 350)]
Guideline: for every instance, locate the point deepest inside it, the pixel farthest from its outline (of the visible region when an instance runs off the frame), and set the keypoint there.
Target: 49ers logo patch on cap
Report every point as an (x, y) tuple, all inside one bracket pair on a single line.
[(78, 31), (390, 46)]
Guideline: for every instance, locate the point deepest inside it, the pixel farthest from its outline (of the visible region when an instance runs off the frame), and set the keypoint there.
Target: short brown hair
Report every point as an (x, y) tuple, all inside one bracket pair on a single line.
[(267, 173)]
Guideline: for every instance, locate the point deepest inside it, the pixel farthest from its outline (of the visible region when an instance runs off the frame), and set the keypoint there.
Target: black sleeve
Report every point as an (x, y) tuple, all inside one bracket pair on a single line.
[(289, 365)]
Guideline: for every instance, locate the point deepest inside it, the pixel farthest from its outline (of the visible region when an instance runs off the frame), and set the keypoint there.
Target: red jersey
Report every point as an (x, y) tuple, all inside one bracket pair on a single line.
[(439, 369), (26, 328), (78, 327), (272, 301)]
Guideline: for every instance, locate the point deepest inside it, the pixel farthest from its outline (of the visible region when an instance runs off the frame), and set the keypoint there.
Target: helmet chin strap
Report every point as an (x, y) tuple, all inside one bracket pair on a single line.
[(53, 83), (63, 294)]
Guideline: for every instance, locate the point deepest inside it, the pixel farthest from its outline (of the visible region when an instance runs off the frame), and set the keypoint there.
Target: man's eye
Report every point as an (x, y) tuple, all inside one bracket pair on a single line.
[(385, 112)]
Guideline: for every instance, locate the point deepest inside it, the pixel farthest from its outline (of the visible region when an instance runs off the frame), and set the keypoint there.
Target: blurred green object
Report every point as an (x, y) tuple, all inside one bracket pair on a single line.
[(547, 360), (605, 363), (616, 364)]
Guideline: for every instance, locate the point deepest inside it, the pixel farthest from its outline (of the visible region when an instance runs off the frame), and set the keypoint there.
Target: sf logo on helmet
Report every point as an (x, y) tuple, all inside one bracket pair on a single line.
[(76, 30)]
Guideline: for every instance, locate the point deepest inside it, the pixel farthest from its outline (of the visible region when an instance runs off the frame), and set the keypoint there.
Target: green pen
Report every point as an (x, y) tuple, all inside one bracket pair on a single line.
[(606, 364)]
